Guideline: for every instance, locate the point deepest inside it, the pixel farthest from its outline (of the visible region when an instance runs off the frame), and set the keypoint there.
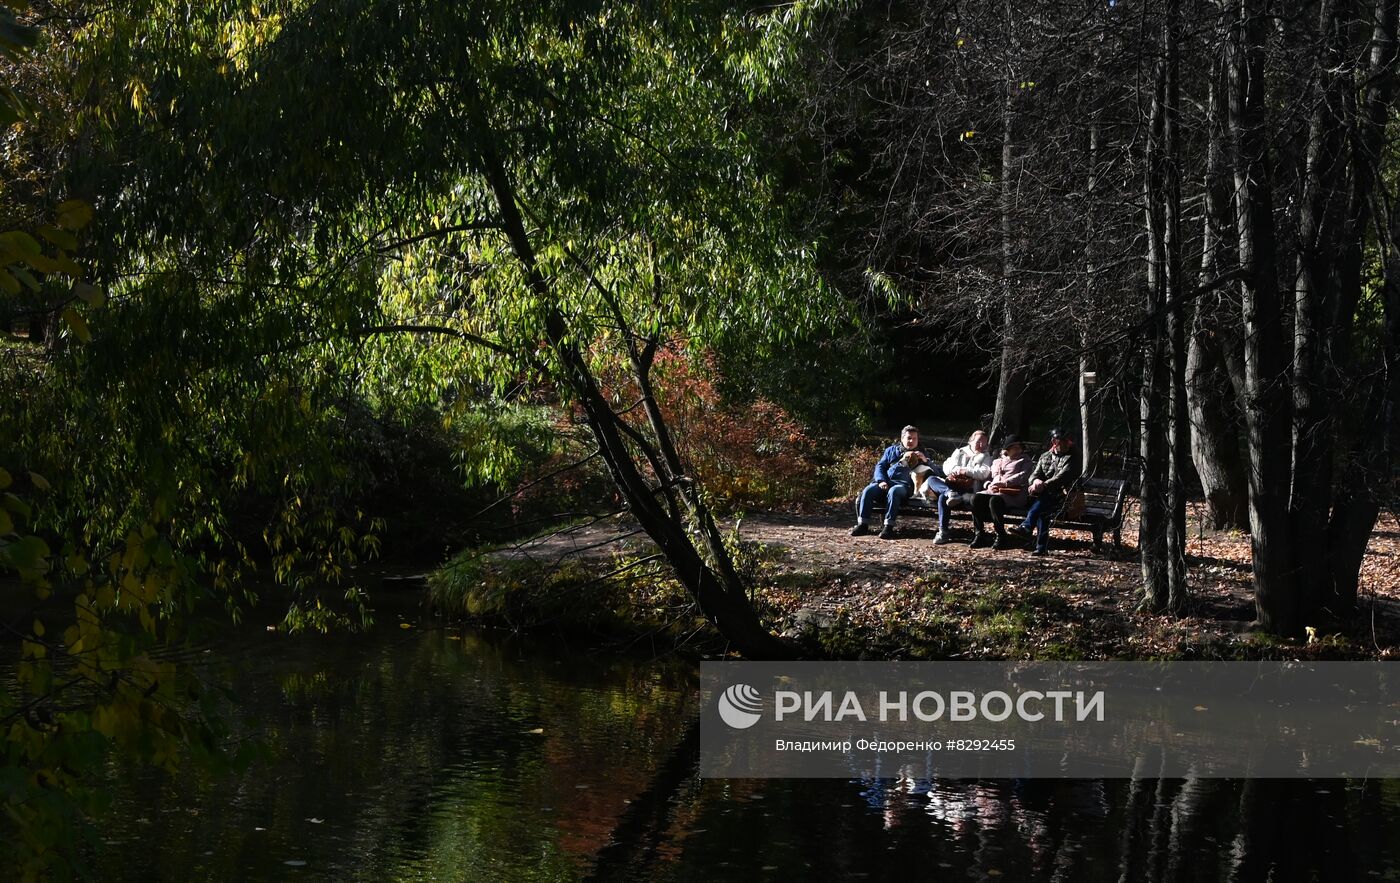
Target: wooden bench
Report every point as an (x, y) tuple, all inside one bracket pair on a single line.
[(1104, 501)]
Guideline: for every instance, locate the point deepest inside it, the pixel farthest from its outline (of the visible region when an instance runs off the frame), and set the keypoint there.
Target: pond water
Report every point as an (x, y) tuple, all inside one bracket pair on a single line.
[(424, 753)]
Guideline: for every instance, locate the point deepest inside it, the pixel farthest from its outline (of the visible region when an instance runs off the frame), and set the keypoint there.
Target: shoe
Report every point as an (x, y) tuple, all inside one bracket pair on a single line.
[(1038, 552), (1019, 530), (940, 539), (887, 532), (860, 530), (982, 539), (1001, 542)]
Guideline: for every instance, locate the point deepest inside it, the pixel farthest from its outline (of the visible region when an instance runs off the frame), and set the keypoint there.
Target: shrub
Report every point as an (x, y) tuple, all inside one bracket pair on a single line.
[(621, 594), (851, 471), (746, 454)]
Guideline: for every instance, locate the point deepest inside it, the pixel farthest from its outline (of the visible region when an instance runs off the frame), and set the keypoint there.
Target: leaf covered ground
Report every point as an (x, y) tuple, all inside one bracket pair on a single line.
[(863, 597)]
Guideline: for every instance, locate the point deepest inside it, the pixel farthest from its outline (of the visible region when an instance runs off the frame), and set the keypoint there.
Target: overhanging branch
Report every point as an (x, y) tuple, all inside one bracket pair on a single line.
[(472, 226)]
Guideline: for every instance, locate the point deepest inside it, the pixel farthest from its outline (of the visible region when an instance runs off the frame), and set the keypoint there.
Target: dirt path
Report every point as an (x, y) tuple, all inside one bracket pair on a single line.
[(817, 541), (874, 582)]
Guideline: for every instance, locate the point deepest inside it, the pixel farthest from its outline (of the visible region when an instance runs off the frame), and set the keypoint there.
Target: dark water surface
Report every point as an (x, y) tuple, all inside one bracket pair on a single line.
[(428, 754)]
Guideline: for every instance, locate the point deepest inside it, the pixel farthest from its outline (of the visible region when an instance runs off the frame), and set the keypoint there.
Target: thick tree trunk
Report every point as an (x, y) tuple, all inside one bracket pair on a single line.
[(1215, 447), (1010, 417), (1211, 395), (1370, 474), (1368, 464), (1265, 365), (1313, 436)]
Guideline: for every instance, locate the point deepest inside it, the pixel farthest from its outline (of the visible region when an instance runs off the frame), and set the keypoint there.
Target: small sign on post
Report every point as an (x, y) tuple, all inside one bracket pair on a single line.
[(1088, 427)]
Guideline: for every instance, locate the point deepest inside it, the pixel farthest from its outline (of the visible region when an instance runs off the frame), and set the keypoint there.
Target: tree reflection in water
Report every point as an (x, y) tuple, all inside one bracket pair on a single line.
[(432, 755), (1148, 829)]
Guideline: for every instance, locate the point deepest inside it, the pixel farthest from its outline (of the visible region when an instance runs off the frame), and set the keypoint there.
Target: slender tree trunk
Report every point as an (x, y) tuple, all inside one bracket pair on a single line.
[(676, 475), (720, 597), (1010, 415), (1090, 423), (1266, 390), (1178, 437), (1152, 403)]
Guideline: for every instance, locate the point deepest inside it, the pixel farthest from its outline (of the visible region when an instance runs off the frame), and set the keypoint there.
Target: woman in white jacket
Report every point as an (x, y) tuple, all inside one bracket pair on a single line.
[(965, 471)]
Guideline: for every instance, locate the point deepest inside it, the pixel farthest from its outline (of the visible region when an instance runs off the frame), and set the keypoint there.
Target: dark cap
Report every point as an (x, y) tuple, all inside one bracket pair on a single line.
[(1011, 440), (1057, 432)]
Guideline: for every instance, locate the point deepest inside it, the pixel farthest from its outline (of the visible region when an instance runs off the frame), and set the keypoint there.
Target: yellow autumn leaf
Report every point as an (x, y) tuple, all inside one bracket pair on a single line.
[(74, 214), (78, 324)]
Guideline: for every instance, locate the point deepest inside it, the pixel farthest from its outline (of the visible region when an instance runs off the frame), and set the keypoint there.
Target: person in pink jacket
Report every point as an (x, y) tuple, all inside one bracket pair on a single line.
[(1005, 489)]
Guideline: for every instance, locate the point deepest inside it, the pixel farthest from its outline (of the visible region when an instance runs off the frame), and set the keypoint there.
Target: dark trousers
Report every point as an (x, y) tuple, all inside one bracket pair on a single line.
[(1038, 518), (873, 498), (988, 507)]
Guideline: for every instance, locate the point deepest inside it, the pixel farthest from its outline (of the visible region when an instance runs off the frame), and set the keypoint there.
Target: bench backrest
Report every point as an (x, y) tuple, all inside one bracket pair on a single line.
[(1103, 497)]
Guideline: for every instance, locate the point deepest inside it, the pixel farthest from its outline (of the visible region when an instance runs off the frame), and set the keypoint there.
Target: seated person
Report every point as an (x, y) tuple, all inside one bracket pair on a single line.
[(1006, 489), (892, 484), (1054, 472), (963, 474)]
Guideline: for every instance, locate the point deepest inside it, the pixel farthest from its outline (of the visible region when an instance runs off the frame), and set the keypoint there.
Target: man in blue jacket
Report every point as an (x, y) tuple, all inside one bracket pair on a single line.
[(893, 483)]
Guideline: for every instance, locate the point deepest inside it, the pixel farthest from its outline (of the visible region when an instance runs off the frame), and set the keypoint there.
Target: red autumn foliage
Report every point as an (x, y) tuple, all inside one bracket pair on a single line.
[(744, 453)]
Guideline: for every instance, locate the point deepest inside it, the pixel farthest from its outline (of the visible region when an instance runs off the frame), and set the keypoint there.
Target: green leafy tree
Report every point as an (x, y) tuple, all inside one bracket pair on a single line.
[(95, 674), (303, 209), (545, 192)]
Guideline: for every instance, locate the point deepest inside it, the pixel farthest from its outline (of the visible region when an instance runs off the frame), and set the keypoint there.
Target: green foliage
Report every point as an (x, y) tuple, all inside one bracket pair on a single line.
[(299, 237), (281, 271), (97, 682), (649, 211), (497, 442), (624, 594), (823, 382), (16, 40), (95, 677), (765, 65)]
